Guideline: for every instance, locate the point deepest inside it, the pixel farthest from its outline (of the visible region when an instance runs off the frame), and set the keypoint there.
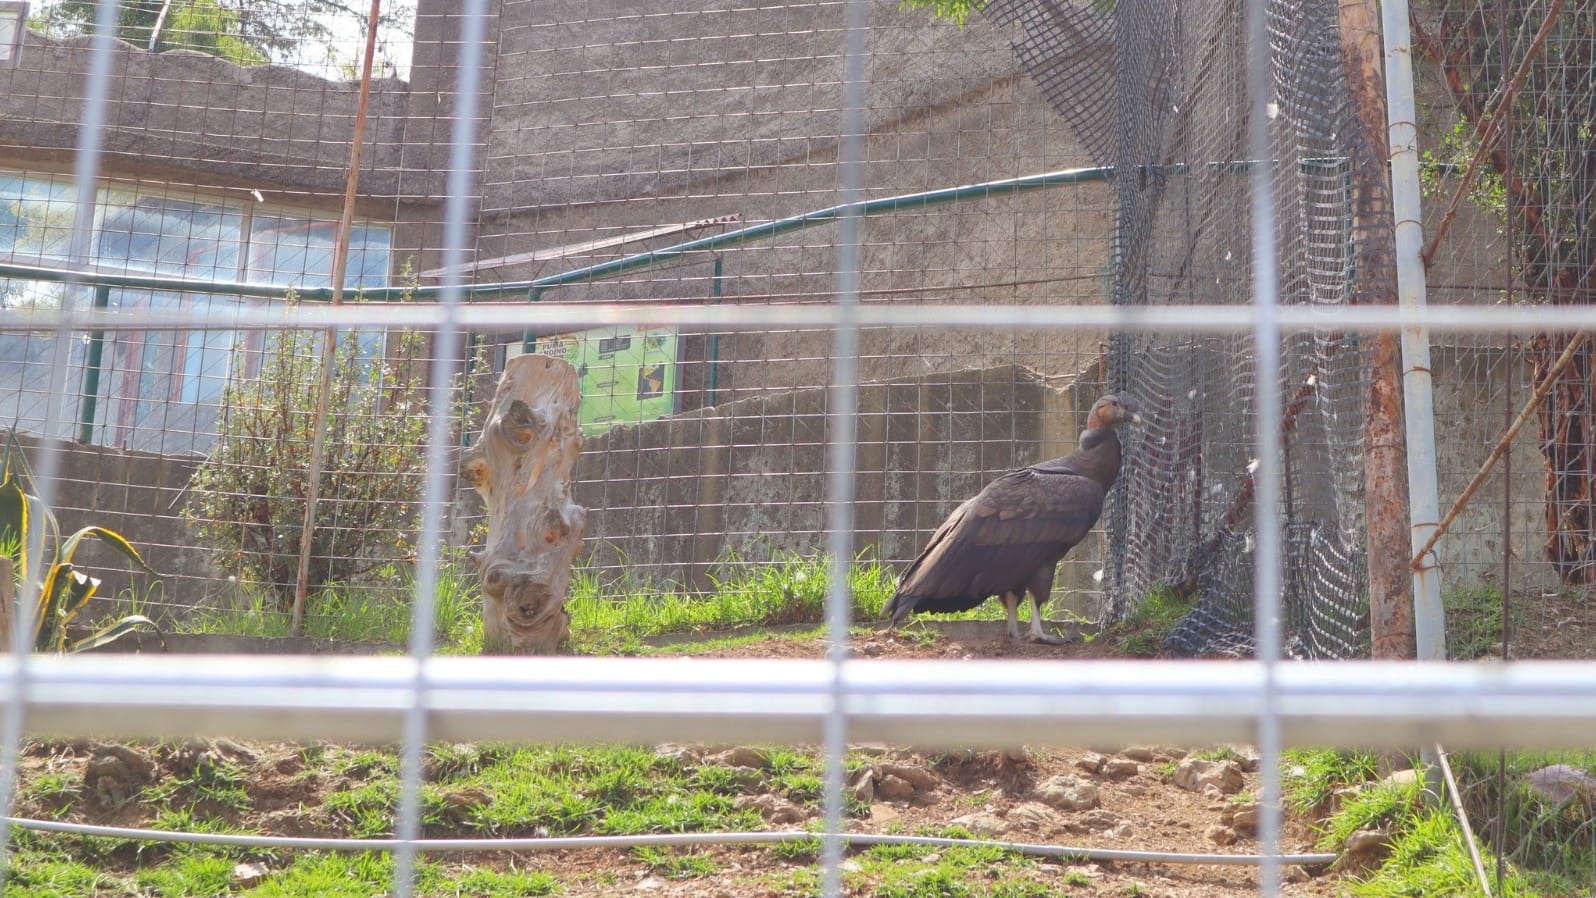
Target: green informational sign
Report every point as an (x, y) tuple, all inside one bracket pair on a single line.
[(627, 375)]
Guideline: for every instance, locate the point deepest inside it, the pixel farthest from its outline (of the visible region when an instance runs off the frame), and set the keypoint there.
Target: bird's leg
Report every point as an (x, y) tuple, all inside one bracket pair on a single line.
[(1011, 603), (1041, 589), (1037, 633)]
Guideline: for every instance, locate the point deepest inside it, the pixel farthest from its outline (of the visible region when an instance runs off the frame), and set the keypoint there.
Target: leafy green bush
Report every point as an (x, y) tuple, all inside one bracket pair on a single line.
[(248, 498)]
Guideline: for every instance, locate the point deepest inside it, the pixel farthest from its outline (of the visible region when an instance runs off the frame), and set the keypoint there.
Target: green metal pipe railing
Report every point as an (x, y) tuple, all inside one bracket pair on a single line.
[(89, 400), (104, 282), (579, 275)]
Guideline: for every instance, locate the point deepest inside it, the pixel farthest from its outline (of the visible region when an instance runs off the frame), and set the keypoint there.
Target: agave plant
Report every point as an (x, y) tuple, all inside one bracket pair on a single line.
[(63, 589)]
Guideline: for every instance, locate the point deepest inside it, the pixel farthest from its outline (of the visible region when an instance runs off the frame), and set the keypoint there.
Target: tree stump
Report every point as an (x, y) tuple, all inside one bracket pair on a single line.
[(521, 466)]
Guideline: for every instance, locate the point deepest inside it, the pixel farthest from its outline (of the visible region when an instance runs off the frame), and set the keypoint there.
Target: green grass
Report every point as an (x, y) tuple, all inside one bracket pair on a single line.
[(1428, 852), (1474, 621), (351, 614), (614, 616), (1142, 634), (913, 871)]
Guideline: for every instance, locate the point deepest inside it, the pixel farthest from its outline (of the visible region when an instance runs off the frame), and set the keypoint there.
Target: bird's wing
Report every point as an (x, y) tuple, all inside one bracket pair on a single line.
[(1035, 506), (995, 541)]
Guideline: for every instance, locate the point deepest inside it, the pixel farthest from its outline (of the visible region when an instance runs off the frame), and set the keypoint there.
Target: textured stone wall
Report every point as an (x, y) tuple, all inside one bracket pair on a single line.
[(186, 113)]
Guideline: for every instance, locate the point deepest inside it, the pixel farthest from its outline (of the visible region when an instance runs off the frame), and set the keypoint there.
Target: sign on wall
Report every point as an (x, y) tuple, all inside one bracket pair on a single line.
[(627, 374)]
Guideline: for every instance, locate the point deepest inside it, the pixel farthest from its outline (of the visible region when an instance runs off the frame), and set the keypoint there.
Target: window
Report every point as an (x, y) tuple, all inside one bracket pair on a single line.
[(159, 390)]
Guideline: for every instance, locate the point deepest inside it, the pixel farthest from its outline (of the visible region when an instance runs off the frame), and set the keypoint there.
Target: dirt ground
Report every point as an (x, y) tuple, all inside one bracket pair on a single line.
[(1099, 797)]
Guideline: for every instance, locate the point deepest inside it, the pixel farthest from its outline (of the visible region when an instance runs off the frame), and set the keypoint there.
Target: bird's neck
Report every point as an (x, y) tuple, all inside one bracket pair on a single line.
[(1098, 455)]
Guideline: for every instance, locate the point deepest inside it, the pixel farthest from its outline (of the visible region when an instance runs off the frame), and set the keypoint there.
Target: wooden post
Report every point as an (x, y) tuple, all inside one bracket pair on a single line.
[(521, 466), (1391, 621)]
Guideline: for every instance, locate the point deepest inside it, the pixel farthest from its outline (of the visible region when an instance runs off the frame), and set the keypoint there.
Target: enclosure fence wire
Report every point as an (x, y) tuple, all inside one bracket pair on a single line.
[(1045, 158)]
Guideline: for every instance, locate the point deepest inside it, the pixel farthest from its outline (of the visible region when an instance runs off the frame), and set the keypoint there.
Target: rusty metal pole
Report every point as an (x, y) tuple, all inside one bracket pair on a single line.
[(329, 349), (1384, 446)]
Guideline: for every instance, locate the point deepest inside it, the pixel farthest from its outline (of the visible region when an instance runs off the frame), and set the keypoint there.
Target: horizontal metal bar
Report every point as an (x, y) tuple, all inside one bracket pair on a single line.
[(921, 703), (576, 316)]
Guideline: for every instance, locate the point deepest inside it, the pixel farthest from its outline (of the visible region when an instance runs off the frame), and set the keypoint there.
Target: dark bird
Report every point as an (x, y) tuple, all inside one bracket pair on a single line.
[(1009, 538)]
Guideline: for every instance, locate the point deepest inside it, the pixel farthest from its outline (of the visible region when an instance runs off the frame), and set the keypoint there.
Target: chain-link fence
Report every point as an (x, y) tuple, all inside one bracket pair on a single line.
[(1041, 159)]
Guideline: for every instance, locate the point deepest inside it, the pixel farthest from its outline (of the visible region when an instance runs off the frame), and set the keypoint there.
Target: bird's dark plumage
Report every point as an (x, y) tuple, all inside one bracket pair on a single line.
[(1007, 540)]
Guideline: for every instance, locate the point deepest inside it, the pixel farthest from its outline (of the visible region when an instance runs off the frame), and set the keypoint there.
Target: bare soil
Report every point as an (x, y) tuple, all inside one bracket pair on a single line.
[(1138, 804)]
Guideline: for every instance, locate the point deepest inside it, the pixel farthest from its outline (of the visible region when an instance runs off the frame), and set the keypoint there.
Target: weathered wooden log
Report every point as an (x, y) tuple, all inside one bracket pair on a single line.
[(521, 465)]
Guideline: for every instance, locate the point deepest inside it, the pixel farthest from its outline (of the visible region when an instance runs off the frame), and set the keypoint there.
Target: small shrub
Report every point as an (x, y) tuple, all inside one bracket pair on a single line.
[(248, 498)]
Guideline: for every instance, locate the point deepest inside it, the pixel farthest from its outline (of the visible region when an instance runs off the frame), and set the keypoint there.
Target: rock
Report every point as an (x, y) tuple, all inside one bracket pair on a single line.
[(1037, 816), (743, 756), (863, 785), (1196, 775), (685, 755), (1140, 753), (1367, 847), (1123, 830), (1121, 768), (1091, 762), (1067, 793), (249, 874), (871, 749), (649, 884), (1401, 777), (773, 809), (894, 788), (1558, 783), (918, 777), (1219, 834), (1295, 873), (1246, 756), (869, 649), (1098, 821), (883, 812), (1244, 817), (114, 774), (466, 799), (981, 823)]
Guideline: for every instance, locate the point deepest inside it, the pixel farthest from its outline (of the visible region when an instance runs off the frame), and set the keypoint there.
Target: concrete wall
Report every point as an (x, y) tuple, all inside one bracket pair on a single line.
[(139, 495), (607, 121), (1470, 417), (670, 498)]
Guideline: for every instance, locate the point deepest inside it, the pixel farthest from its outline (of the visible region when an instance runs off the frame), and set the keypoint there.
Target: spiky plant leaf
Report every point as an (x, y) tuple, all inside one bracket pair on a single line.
[(112, 632), (66, 590), (110, 537)]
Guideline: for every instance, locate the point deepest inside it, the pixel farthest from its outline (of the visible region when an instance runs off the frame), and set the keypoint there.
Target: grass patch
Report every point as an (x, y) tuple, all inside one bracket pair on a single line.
[(352, 614), (614, 616), (1474, 621), (1311, 777), (1142, 634), (915, 871), (1428, 854)]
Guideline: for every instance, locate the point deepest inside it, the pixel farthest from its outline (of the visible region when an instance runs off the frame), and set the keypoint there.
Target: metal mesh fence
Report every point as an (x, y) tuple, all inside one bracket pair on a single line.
[(633, 162), (1175, 132), (610, 138)]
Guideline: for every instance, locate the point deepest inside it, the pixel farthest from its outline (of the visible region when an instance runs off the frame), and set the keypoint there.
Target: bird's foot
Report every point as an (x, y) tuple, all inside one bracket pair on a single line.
[(1046, 638)]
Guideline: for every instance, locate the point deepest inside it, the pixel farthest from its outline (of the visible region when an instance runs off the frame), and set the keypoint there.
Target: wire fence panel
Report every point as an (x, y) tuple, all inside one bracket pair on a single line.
[(823, 269)]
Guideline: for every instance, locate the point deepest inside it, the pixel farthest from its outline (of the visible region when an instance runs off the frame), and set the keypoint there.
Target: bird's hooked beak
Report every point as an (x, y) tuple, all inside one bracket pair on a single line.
[(1129, 411)]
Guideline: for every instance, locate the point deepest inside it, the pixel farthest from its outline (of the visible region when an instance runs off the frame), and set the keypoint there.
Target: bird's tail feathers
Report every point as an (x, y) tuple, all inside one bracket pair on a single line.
[(898, 608)]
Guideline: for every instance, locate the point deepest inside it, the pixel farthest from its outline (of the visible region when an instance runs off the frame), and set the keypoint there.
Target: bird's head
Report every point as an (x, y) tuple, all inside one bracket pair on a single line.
[(1113, 410)]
